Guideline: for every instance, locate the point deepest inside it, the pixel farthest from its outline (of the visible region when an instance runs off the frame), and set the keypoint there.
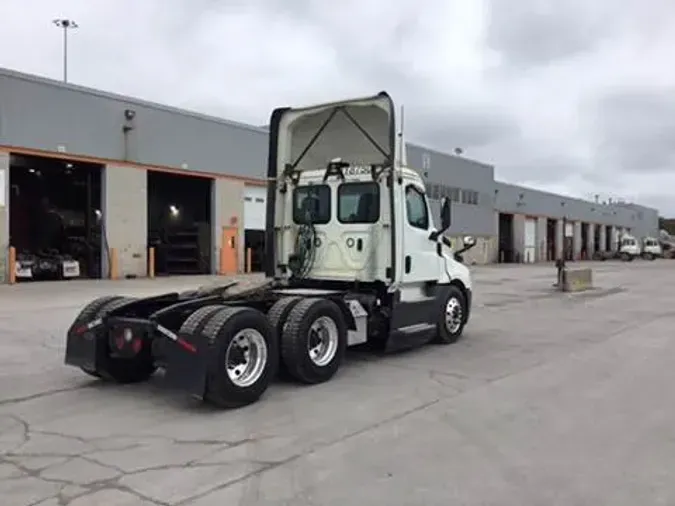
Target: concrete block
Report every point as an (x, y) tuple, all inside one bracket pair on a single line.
[(577, 280)]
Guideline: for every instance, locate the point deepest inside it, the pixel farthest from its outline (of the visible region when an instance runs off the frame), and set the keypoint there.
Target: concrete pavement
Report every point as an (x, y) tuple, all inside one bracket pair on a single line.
[(549, 399)]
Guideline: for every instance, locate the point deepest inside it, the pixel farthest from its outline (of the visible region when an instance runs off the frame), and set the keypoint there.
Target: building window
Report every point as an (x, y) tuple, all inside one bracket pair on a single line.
[(440, 191), (433, 191), (469, 197)]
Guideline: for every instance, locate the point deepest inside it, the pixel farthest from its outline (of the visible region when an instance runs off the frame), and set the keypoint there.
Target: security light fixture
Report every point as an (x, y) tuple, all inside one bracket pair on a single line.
[(65, 25)]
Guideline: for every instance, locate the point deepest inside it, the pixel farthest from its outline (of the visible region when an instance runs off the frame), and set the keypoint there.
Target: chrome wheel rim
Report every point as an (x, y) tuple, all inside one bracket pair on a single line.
[(453, 315), (246, 357), (322, 342)]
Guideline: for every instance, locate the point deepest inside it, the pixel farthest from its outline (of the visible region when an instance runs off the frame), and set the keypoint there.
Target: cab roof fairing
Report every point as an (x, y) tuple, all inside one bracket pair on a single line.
[(359, 131)]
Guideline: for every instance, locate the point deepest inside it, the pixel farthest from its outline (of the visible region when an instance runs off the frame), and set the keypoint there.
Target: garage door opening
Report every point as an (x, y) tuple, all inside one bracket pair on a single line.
[(584, 241), (55, 221), (179, 223), (608, 238), (255, 212), (506, 253), (551, 240)]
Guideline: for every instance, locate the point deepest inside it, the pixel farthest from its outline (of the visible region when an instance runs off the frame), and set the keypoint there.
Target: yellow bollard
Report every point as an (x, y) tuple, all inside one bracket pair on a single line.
[(11, 264), (151, 263)]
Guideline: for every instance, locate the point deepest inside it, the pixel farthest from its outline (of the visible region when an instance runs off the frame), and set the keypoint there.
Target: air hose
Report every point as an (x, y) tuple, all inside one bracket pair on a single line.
[(304, 252)]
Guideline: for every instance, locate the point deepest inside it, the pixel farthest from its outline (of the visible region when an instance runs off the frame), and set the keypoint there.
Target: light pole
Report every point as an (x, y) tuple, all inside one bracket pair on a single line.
[(65, 25)]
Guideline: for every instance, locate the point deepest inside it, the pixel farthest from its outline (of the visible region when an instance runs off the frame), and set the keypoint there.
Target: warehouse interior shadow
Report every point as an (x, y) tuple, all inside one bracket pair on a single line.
[(179, 223), (55, 219)]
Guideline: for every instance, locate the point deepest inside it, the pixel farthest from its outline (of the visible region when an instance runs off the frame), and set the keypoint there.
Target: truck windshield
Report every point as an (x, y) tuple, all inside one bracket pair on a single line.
[(311, 204), (359, 203)]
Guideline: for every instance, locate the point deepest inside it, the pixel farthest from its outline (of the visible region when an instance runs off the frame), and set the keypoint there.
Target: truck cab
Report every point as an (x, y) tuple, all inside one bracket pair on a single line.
[(340, 171), (629, 248), (651, 248)]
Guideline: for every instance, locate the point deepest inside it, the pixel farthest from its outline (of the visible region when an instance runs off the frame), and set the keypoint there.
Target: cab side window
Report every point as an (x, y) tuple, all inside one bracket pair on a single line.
[(416, 208)]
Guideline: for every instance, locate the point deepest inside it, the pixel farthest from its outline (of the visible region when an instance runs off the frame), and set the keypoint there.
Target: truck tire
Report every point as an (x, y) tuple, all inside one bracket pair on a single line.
[(278, 317), (452, 317), (125, 370), (245, 356), (314, 340), (648, 256), (278, 313), (196, 322), (89, 313)]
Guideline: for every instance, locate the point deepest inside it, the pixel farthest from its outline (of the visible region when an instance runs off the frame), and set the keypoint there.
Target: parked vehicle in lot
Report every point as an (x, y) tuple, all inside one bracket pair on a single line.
[(651, 248), (629, 248), (353, 257)]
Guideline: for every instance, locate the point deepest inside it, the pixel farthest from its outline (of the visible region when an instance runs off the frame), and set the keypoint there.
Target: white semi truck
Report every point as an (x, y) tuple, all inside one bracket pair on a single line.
[(630, 248), (651, 248), (353, 257)]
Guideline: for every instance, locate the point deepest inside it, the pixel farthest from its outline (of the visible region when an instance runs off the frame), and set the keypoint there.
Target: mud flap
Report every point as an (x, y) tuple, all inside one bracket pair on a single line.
[(85, 349), (188, 360)]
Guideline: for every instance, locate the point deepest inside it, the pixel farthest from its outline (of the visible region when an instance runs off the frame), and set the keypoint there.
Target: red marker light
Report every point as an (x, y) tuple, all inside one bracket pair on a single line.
[(187, 346)]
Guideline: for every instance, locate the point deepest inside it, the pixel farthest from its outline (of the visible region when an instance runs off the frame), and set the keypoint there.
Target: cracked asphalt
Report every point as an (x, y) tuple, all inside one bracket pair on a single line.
[(549, 399)]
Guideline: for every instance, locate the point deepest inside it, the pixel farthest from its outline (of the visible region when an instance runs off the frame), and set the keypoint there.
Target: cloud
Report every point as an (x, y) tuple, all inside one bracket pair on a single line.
[(635, 130), (535, 32), (573, 96)]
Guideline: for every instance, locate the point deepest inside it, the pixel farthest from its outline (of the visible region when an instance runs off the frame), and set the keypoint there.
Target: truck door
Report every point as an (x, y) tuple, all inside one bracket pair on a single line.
[(421, 263)]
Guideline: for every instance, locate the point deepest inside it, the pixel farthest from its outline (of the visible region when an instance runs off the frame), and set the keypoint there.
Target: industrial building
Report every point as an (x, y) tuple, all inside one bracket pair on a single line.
[(129, 188)]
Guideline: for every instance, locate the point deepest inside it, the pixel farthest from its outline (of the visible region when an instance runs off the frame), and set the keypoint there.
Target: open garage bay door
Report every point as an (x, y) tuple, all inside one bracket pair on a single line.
[(255, 207), (255, 214)]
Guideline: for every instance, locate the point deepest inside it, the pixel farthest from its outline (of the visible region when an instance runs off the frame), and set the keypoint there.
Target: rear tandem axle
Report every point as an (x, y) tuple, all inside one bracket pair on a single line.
[(227, 349)]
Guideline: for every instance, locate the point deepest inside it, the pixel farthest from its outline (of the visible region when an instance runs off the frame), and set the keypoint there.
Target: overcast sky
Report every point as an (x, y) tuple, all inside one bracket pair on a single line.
[(572, 96)]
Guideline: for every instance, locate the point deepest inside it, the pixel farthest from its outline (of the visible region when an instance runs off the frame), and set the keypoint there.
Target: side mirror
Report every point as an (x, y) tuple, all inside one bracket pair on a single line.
[(468, 242), (446, 214)]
